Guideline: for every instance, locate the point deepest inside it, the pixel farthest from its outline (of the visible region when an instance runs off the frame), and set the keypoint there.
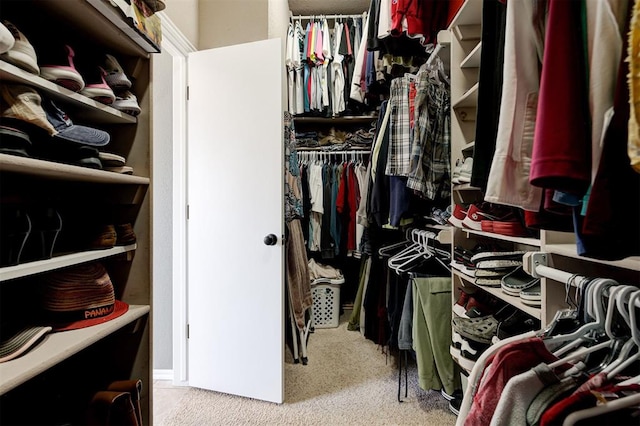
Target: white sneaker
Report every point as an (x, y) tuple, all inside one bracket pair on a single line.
[(466, 170), (127, 103), (6, 39), (22, 54)]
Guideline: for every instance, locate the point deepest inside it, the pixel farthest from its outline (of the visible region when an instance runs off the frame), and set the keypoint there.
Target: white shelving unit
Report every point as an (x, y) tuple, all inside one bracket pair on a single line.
[(66, 368)]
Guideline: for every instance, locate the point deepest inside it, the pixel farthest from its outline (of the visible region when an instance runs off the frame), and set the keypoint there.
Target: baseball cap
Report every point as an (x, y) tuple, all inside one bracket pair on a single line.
[(24, 103), (80, 296), (70, 132)]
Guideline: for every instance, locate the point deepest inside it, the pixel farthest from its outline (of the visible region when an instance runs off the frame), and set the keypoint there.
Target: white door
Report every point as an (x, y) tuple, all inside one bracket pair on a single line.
[(235, 196)]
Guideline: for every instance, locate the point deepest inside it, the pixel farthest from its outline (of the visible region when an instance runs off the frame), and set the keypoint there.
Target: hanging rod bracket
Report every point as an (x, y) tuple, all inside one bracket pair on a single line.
[(531, 260)]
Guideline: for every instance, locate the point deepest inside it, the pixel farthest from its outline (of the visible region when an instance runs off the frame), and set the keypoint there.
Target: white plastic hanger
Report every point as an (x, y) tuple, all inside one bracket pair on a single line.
[(624, 360), (595, 309)]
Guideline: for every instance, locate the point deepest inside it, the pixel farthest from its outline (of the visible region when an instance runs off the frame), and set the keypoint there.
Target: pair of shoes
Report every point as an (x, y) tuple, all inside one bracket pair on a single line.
[(494, 218), (14, 141), (492, 266), (28, 236), (469, 349), (481, 329), (109, 236), (118, 81), (439, 216)]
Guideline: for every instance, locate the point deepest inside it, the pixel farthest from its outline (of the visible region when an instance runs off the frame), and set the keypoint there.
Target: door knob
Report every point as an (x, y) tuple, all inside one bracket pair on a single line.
[(270, 240)]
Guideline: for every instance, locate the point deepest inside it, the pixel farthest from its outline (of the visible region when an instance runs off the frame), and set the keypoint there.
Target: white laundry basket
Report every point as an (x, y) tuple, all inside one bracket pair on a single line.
[(326, 303)]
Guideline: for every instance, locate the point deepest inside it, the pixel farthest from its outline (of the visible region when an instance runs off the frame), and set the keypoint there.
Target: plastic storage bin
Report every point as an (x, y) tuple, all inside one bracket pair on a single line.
[(326, 305)]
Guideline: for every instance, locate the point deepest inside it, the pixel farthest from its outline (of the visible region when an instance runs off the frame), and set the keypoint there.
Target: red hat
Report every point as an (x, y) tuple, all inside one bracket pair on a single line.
[(80, 296)]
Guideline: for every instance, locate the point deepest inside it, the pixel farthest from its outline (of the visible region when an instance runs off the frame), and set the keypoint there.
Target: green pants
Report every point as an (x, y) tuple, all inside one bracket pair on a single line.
[(432, 334)]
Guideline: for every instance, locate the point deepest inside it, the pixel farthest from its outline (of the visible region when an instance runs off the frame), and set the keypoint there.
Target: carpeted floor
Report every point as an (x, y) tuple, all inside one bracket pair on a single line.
[(348, 381)]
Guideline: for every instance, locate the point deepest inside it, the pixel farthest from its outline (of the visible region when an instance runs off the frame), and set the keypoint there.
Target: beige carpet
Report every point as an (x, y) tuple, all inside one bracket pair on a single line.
[(348, 381)]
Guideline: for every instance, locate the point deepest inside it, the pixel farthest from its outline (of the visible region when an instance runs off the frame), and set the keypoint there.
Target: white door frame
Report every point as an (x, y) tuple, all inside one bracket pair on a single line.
[(178, 46)]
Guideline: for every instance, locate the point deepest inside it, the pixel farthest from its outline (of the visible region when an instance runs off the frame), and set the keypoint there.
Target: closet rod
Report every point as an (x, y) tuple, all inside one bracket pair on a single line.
[(319, 16), (535, 264), (311, 151)]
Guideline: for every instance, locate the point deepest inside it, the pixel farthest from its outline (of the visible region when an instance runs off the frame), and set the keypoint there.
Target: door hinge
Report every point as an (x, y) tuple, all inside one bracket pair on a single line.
[(187, 331), (187, 211), (187, 92)]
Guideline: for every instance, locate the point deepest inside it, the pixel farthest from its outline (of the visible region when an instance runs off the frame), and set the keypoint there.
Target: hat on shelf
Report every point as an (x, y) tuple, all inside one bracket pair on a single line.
[(70, 132), (23, 103), (14, 141), (21, 341), (80, 296)]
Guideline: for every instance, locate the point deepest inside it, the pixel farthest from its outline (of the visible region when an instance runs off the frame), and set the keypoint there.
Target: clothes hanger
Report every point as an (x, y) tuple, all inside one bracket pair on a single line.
[(580, 336), (413, 252), (634, 342), (406, 263)]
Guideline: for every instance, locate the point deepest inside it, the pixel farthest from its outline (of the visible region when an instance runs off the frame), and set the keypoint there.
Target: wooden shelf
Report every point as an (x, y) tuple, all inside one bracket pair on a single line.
[(473, 59), (470, 13), (468, 99), (60, 171), (569, 250), (535, 242), (57, 262), (91, 110), (56, 347), (498, 293)]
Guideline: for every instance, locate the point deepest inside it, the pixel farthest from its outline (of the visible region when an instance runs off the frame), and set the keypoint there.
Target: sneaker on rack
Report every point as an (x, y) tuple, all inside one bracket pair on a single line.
[(532, 296), (465, 170), (127, 103), (458, 216), (115, 78), (96, 87), (60, 68), (21, 54)]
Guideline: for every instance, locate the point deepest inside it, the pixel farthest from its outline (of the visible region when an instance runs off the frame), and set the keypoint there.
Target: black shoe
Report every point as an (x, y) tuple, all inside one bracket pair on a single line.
[(454, 405), (457, 394)]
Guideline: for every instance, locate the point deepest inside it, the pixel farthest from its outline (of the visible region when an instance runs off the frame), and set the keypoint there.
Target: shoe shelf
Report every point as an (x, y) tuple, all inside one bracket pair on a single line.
[(68, 172), (473, 59), (57, 262), (56, 347), (469, 14), (498, 293), (464, 363), (91, 110), (569, 250), (102, 21), (469, 99), (535, 242)]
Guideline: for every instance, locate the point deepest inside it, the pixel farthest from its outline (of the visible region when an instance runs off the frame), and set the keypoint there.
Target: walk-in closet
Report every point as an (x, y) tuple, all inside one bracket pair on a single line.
[(491, 224)]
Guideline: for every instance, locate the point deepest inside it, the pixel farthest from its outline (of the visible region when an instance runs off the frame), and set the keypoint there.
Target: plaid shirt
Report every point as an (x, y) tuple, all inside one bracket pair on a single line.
[(399, 153), (430, 168)]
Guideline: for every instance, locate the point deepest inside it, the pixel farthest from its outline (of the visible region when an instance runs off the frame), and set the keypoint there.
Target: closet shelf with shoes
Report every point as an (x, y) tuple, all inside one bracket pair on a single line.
[(535, 242), (38, 266), (75, 263), (92, 110), (67, 172)]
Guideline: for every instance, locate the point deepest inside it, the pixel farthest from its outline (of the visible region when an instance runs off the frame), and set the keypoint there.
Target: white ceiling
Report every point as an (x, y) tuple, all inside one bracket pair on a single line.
[(317, 7)]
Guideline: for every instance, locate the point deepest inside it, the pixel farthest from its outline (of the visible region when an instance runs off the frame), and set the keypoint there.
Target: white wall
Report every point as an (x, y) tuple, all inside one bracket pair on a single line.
[(228, 22), (184, 14)]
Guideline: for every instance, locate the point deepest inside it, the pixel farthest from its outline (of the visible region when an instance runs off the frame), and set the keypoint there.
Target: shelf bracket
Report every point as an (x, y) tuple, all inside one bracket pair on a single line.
[(533, 259)]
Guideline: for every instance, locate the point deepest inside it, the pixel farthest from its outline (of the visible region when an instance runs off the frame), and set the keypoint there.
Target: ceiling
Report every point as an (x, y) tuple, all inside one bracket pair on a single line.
[(317, 7)]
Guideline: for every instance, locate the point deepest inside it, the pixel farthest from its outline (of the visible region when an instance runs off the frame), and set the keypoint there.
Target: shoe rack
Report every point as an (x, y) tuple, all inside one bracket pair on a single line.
[(66, 368), (466, 46)]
